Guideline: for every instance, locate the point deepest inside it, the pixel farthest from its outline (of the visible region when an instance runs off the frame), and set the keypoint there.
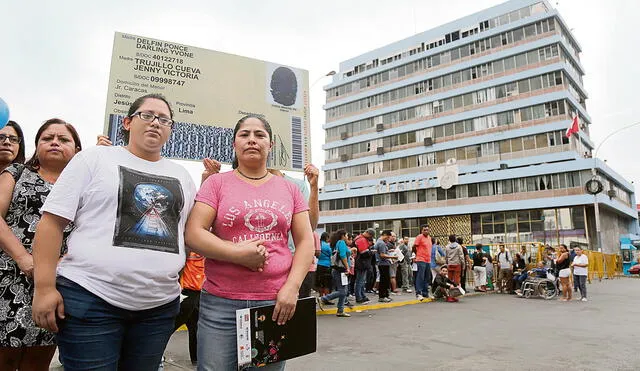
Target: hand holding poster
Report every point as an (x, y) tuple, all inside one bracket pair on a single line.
[(209, 92)]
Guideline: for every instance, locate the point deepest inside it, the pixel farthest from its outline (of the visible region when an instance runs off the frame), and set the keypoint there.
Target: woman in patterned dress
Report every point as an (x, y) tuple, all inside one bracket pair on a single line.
[(23, 189)]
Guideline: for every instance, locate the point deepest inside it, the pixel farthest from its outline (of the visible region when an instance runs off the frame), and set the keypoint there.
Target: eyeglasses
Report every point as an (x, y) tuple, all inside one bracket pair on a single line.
[(149, 117), (12, 138)]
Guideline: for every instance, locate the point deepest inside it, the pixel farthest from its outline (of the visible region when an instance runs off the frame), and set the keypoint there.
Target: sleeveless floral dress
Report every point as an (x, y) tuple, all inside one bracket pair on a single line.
[(17, 328)]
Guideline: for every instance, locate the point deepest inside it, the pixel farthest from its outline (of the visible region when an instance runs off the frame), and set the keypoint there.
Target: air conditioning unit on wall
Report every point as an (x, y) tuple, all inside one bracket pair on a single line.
[(379, 127), (380, 150), (344, 157), (344, 135), (611, 193), (428, 141)]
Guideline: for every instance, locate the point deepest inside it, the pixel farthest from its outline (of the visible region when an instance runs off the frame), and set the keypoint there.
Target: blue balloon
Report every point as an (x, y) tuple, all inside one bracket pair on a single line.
[(4, 113)]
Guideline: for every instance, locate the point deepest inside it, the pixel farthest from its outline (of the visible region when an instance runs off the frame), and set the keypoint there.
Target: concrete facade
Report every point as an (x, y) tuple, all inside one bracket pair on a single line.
[(488, 99)]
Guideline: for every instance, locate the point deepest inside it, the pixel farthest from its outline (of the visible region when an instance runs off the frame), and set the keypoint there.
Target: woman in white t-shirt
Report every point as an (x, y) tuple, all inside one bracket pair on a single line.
[(247, 205), (580, 264), (116, 294)]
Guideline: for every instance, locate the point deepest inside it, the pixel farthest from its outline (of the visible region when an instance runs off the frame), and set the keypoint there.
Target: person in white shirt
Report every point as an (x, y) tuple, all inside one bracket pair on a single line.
[(116, 293), (580, 270), (505, 272)]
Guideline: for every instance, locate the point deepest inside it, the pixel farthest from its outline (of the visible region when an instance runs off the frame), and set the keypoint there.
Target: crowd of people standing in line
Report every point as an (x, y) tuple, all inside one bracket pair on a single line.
[(354, 266), (93, 244), (350, 267)]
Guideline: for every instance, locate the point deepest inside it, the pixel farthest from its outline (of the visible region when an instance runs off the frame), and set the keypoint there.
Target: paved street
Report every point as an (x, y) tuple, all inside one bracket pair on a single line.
[(488, 332)]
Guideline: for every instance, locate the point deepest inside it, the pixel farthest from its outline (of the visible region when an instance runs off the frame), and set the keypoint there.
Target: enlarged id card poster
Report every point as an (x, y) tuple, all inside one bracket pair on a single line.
[(261, 341), (209, 91)]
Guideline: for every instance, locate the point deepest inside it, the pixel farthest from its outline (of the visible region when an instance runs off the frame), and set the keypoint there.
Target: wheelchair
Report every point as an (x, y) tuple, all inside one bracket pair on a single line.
[(545, 288)]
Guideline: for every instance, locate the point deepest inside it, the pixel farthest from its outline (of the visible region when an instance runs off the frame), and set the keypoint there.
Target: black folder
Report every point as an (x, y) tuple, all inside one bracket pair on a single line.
[(262, 341)]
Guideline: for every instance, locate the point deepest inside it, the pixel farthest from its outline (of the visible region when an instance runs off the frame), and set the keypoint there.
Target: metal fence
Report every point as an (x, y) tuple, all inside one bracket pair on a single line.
[(601, 265)]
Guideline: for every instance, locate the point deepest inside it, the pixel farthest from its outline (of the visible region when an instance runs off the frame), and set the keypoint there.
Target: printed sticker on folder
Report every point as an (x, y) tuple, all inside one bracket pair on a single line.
[(243, 324), (261, 341)]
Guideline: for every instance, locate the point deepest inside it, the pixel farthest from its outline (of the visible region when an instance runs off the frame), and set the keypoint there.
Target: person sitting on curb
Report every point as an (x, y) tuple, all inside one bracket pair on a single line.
[(442, 284)]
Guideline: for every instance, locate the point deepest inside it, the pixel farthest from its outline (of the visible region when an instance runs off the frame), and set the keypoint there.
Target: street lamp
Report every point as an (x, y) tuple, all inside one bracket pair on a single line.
[(594, 177), (330, 73)]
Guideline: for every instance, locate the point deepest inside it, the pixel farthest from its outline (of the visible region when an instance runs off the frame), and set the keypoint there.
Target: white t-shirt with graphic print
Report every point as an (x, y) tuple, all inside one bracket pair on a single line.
[(128, 243)]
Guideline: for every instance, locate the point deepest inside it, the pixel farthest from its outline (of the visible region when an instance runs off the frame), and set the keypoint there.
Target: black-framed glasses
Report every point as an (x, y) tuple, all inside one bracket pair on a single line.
[(12, 138), (149, 117)]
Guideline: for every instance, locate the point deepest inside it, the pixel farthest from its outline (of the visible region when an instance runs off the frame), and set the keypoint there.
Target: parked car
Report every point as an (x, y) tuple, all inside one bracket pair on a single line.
[(635, 269)]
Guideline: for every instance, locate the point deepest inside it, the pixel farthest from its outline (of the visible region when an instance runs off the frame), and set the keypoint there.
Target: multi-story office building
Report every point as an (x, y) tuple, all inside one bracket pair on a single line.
[(490, 97)]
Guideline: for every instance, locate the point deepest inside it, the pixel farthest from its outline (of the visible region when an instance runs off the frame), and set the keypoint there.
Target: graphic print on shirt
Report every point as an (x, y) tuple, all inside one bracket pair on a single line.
[(260, 217), (148, 211)]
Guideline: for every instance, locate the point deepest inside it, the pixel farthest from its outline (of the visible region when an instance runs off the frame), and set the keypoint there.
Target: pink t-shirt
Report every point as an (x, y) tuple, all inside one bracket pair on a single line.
[(245, 211)]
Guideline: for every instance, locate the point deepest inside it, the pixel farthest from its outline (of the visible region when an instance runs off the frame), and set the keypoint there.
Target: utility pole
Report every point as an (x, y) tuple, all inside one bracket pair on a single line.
[(594, 175)]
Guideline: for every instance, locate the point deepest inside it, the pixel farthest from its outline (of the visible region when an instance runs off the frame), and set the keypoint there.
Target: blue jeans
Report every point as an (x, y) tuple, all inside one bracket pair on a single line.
[(217, 343), (361, 282), (423, 279), (518, 280), (340, 290), (96, 335)]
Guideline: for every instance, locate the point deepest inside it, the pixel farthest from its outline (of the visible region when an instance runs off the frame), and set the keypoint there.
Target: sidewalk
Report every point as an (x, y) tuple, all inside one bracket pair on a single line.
[(399, 300)]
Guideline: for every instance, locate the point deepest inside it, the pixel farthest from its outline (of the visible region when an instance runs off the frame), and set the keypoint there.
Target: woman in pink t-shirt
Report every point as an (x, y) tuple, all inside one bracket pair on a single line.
[(249, 264)]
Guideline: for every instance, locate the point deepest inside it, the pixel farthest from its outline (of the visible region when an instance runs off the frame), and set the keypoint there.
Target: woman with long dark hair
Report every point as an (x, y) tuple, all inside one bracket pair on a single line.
[(23, 189), (339, 269), (11, 145), (240, 223), (115, 296), (563, 264)]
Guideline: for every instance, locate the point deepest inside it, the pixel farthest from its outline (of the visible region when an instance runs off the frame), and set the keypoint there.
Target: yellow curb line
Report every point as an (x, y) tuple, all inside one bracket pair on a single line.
[(372, 306), (356, 308), (320, 312)]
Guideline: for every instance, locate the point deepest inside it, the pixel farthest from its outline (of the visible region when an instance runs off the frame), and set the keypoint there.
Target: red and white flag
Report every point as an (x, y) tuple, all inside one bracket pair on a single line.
[(574, 128)]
